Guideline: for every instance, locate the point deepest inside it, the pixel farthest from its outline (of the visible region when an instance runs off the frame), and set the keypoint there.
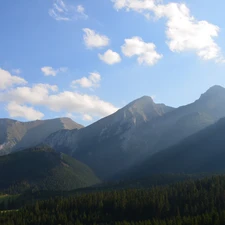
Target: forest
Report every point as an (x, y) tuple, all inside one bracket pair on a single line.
[(190, 202)]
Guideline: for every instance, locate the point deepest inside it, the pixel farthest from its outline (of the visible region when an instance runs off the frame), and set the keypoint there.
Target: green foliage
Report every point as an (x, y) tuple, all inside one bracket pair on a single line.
[(41, 168), (187, 203), (31, 196)]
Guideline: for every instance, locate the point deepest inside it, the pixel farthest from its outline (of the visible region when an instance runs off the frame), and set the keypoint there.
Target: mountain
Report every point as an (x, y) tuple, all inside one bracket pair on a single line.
[(44, 169), (137, 131), (17, 135), (105, 145), (180, 123), (203, 152)]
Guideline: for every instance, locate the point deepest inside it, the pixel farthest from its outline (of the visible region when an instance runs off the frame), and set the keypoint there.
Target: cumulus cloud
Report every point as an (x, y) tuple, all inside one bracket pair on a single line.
[(49, 71), (81, 103), (62, 11), (46, 95), (184, 32), (93, 81), (35, 95), (7, 80), (22, 111), (94, 40), (110, 57), (145, 52)]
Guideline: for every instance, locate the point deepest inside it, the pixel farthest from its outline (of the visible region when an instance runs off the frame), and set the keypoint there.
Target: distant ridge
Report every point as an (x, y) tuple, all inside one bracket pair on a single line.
[(16, 135)]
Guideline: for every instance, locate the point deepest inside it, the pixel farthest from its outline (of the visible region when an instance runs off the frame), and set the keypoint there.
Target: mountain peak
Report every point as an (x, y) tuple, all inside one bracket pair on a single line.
[(214, 92), (215, 89), (143, 109), (144, 100)]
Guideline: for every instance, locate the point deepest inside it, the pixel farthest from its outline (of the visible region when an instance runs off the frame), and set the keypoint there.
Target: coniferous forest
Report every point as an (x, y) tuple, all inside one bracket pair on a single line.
[(185, 203)]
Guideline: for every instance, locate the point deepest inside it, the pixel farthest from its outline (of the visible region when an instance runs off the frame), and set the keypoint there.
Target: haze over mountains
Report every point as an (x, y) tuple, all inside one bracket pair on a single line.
[(202, 152), (123, 139), (137, 131)]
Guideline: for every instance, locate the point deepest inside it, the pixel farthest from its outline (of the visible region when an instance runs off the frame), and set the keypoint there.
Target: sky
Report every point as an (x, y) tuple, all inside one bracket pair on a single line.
[(86, 59)]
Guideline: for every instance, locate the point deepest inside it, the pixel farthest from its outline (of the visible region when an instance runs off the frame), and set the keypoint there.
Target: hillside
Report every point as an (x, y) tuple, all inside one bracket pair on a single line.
[(203, 152), (17, 135), (42, 168), (137, 131)]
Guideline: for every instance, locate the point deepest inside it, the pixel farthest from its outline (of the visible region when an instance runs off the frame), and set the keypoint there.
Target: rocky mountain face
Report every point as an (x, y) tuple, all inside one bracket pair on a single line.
[(137, 131), (202, 152), (17, 135)]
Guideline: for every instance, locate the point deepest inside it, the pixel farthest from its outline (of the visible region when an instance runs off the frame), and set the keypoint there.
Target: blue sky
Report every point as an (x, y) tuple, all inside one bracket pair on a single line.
[(86, 60)]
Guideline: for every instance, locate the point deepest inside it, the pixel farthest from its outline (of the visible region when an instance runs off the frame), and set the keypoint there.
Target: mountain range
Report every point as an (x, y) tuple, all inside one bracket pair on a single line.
[(127, 138), (16, 135), (138, 131)]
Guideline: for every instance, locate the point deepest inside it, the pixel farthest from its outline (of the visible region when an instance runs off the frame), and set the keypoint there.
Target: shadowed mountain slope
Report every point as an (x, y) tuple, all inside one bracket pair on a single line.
[(44, 169), (203, 152)]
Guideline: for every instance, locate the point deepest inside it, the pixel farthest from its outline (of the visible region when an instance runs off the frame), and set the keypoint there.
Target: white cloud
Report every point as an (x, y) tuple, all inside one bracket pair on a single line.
[(88, 82), (35, 95), (62, 11), (110, 57), (73, 102), (49, 71), (94, 40), (65, 102), (7, 80), (146, 52), (87, 117), (22, 111), (183, 31)]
